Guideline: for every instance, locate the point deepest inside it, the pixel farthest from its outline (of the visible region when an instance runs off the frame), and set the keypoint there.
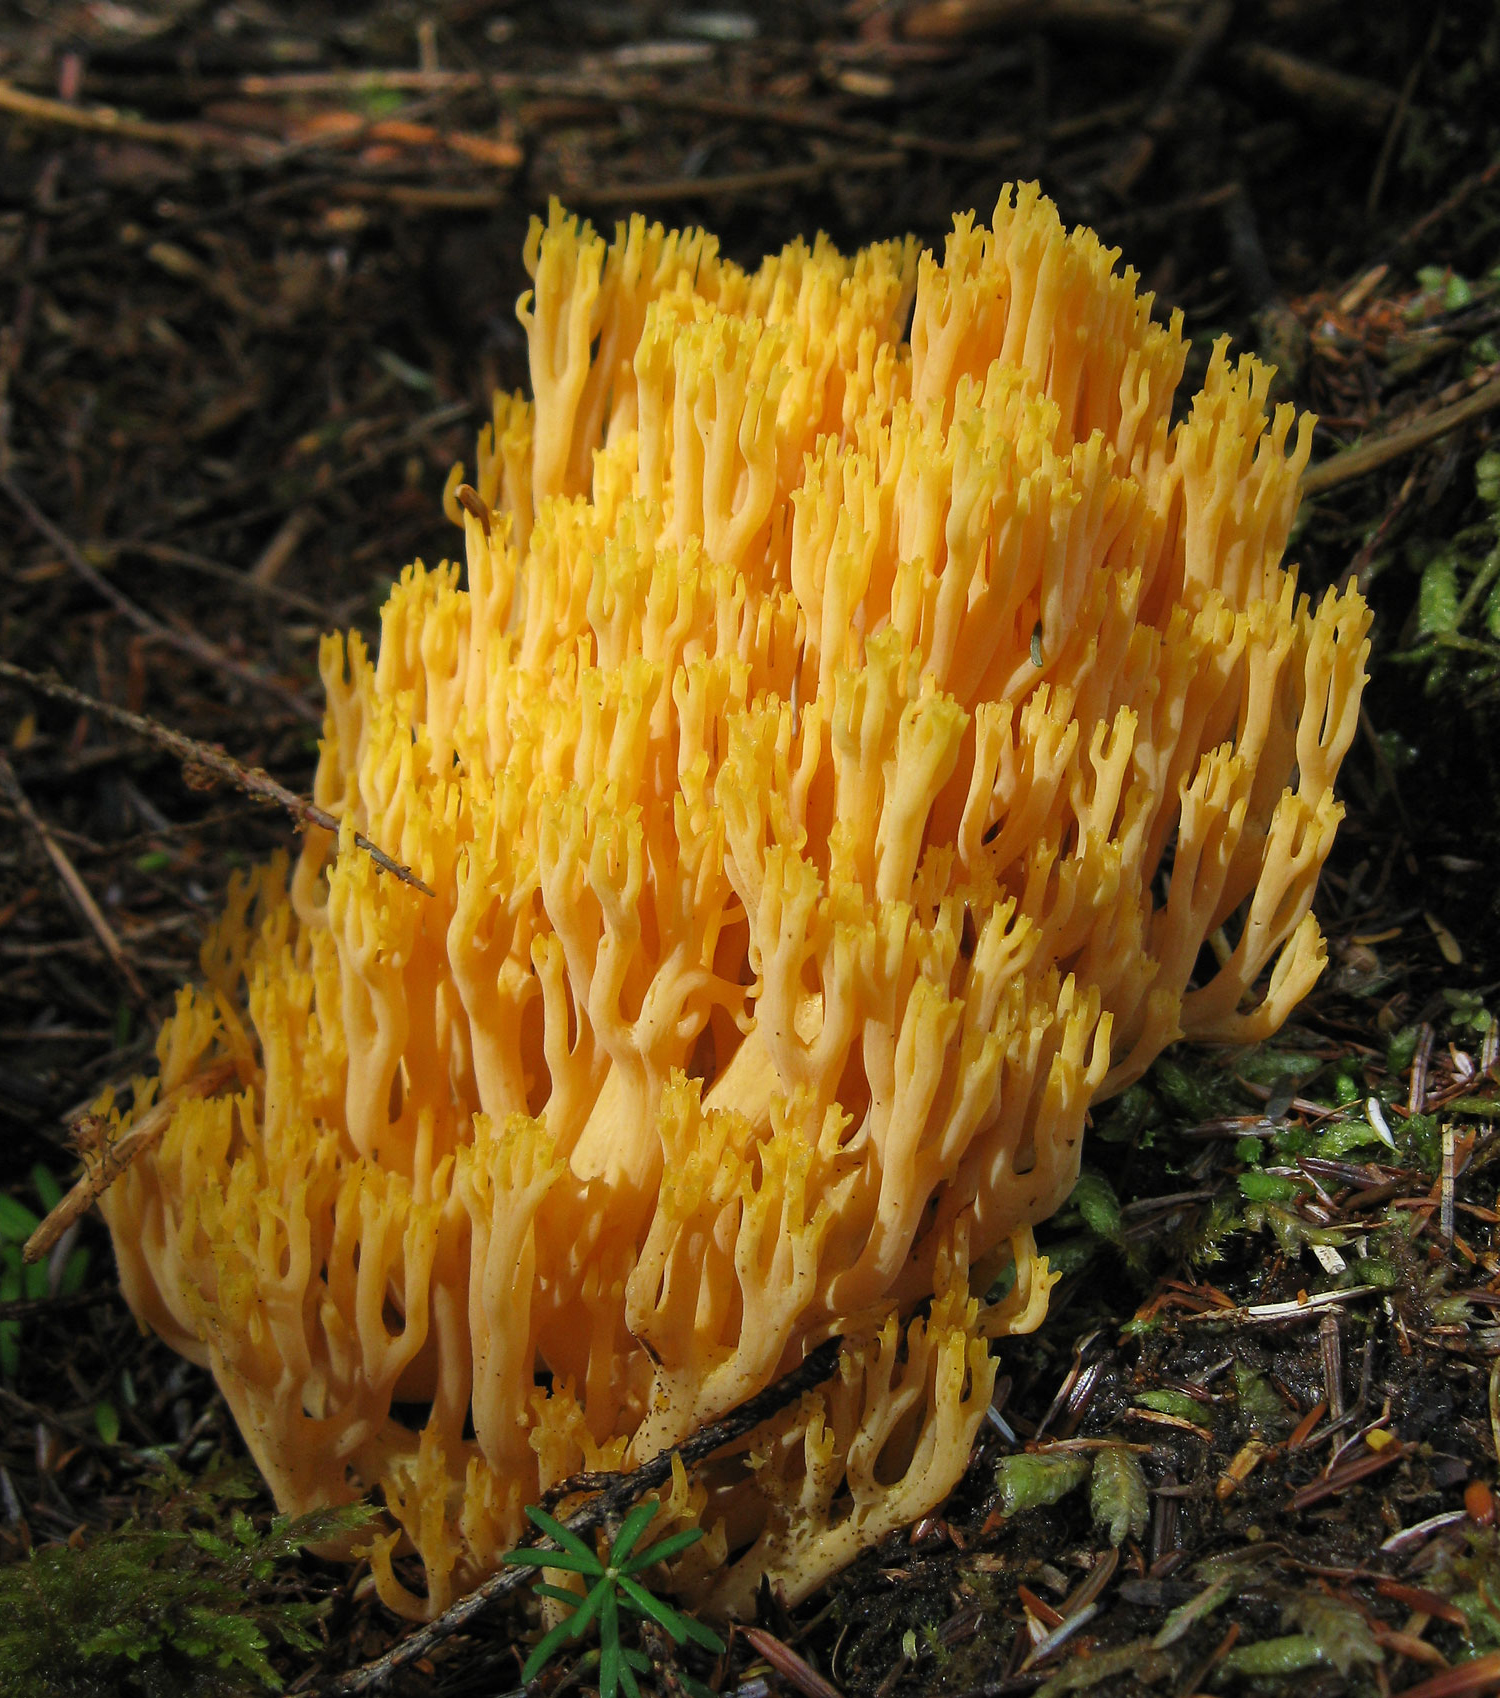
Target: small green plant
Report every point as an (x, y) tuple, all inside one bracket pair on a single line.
[(188, 1605), (1466, 1010), (1453, 632), (614, 1586), (1087, 1224)]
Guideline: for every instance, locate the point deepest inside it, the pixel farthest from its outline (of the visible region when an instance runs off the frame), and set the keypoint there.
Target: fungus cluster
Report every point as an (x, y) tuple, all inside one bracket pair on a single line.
[(860, 707)]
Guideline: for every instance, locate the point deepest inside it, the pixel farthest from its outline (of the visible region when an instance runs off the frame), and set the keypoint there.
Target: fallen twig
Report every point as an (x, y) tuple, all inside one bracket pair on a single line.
[(26, 1308), (1369, 456), (10, 787), (896, 145), (245, 583), (855, 130), (1292, 1311), (105, 1162), (734, 182), (105, 121), (812, 1371), (1416, 1096), (424, 197), (254, 780), (1418, 232), (1332, 94), (1209, 31), (361, 81), (187, 642), (1361, 1468)]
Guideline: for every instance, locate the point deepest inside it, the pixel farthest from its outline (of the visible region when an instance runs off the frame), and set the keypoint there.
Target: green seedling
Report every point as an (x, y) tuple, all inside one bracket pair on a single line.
[(612, 1586)]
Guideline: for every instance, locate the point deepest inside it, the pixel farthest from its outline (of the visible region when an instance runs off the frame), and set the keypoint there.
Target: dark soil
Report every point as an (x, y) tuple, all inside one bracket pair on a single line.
[(252, 305)]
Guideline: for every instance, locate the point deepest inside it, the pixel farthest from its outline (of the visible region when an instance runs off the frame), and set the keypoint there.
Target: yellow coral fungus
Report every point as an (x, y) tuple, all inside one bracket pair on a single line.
[(829, 770)]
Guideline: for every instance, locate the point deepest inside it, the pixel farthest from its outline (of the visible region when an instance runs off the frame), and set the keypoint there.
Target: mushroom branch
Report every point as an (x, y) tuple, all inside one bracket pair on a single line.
[(859, 705)]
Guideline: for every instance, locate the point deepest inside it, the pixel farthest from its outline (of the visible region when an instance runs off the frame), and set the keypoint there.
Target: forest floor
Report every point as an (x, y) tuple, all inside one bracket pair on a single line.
[(258, 264)]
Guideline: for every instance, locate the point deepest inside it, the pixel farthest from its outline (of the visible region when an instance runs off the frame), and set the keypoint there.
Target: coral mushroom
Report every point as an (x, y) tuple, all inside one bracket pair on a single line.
[(829, 773)]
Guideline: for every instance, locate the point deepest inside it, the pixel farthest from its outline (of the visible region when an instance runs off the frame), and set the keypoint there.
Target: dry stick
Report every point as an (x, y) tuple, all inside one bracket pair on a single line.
[(909, 141), (1208, 32), (23, 1308), (387, 127), (734, 183), (1399, 116), (198, 138), (282, 546), (13, 336), (1380, 450), (254, 780), (1333, 94), (379, 453), (244, 582), (1359, 567), (418, 197), (10, 787), (188, 642), (625, 1489), (105, 121), (351, 83), (1417, 232), (779, 176), (105, 1162)]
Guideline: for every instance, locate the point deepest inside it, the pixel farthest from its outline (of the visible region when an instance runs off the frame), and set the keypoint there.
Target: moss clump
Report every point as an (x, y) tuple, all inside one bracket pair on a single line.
[(191, 1604)]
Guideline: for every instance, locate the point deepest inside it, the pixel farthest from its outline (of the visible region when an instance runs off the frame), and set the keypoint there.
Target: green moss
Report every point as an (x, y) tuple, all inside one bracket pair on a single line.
[(1031, 1482), (190, 1605), (1094, 1198), (1259, 1406), (1268, 1187), (1119, 1497), (1129, 1116), (1287, 1655), (1165, 1401)]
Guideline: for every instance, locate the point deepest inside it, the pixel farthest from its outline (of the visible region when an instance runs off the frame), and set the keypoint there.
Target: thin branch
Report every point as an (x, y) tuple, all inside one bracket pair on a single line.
[(735, 182), (10, 787), (105, 121), (812, 1371), (350, 83), (104, 1161), (353, 83), (425, 197), (1334, 95), (908, 141), (24, 1308), (187, 642), (243, 582), (1418, 232), (377, 454), (1207, 34), (1378, 451), (254, 780)]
